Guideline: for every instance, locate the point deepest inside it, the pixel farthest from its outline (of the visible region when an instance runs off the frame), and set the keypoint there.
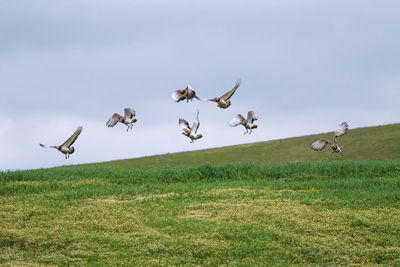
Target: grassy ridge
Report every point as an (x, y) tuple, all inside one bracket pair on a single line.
[(292, 213), (372, 143)]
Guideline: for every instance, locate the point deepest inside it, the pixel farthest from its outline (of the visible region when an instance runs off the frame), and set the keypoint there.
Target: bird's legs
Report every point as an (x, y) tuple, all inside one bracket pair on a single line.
[(250, 131), (246, 131), (130, 126)]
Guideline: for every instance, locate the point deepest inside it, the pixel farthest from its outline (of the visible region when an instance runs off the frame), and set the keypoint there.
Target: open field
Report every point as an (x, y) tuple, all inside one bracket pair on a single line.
[(234, 214), (371, 143)]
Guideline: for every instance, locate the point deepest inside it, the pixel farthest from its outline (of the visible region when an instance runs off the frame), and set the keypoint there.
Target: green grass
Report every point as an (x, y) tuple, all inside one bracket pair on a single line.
[(372, 143), (310, 213)]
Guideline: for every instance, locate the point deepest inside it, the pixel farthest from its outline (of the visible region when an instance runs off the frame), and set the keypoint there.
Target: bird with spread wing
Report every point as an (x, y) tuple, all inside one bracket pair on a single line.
[(321, 143), (188, 93), (223, 101), (128, 118), (247, 123), (67, 148), (191, 132)]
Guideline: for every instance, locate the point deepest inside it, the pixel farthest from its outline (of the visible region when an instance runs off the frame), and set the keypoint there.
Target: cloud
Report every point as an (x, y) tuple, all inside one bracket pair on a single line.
[(304, 66)]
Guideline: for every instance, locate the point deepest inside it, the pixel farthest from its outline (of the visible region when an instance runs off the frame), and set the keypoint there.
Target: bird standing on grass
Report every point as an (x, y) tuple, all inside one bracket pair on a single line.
[(321, 143), (188, 93), (67, 148), (191, 132), (128, 119), (247, 123), (223, 101)]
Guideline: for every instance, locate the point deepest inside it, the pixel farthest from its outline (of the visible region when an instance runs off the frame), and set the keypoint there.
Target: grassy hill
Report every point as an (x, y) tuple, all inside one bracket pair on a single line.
[(372, 143), (327, 213), (298, 207)]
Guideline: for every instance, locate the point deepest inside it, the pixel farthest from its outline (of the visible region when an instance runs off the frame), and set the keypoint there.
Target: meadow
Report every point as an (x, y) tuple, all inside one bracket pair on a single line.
[(245, 214), (369, 143)]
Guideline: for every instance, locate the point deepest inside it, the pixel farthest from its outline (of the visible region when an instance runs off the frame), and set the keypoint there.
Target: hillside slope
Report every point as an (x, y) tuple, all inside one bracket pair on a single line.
[(371, 143)]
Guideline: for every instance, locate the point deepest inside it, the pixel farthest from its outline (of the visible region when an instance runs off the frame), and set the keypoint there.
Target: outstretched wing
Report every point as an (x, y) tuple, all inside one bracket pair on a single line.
[(212, 99), (178, 95), (252, 116), (231, 92), (184, 124), (342, 129), (129, 113), (44, 146), (196, 123), (113, 120), (73, 137), (319, 144), (238, 119)]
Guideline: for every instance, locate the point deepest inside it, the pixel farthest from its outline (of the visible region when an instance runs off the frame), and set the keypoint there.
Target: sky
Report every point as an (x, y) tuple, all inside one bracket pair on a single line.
[(305, 66)]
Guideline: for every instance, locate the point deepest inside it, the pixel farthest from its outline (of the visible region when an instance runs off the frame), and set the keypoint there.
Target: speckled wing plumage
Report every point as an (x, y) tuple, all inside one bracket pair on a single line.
[(228, 95), (184, 124), (129, 113), (73, 137), (341, 130), (178, 95), (196, 123), (252, 116), (115, 118), (237, 120), (319, 144)]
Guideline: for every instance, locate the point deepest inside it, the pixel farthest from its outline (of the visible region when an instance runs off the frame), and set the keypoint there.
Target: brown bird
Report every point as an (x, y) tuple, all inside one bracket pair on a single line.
[(223, 101), (191, 132), (247, 123), (128, 118), (67, 148), (188, 93), (321, 143)]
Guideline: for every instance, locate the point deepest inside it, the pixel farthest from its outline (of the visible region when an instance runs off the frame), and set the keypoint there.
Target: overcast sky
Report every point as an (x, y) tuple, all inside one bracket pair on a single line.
[(305, 66)]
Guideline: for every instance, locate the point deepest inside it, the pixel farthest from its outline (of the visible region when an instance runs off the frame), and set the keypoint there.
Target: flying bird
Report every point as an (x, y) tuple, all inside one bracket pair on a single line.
[(67, 148), (191, 132), (247, 123), (223, 101), (188, 93), (321, 143), (128, 118)]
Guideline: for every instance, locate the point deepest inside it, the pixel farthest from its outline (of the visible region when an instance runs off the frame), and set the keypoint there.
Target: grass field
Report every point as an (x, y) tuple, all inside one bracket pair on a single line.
[(343, 212), (371, 143)]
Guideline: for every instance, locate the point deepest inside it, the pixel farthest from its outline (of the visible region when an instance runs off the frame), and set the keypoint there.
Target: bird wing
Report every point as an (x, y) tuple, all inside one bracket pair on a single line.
[(47, 146), (184, 124), (252, 116), (73, 137), (215, 99), (342, 129), (178, 95), (228, 95), (319, 144), (238, 119), (113, 120), (196, 123), (129, 113)]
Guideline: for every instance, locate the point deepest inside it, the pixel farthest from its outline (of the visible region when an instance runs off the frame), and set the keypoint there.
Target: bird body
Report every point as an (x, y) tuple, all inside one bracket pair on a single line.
[(247, 123), (188, 93), (66, 148), (320, 144), (191, 132), (223, 101), (128, 119)]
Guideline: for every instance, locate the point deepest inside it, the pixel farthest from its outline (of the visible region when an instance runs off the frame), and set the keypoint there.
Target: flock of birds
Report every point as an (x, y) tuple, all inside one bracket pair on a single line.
[(187, 94)]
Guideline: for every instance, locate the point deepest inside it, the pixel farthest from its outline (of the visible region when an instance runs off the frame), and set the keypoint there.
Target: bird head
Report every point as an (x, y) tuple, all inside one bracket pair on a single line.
[(199, 136), (254, 126), (134, 120), (71, 150)]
